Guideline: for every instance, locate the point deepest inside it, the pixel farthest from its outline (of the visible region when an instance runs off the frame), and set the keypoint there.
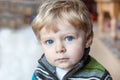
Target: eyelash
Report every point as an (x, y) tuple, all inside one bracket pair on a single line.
[(69, 38), (49, 42)]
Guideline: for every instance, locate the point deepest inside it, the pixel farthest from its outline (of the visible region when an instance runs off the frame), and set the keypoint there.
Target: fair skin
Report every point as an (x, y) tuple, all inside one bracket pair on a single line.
[(65, 47)]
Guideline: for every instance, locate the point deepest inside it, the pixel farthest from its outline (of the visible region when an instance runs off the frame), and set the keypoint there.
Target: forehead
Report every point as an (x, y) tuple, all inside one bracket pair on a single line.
[(59, 26)]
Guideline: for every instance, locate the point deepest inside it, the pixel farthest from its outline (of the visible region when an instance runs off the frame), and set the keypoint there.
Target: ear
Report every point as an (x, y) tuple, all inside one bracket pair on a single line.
[(89, 41)]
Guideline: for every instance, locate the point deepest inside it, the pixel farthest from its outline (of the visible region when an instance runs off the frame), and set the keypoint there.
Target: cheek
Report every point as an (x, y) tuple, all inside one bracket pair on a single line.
[(47, 49), (49, 53), (50, 56), (77, 54), (76, 46), (76, 49)]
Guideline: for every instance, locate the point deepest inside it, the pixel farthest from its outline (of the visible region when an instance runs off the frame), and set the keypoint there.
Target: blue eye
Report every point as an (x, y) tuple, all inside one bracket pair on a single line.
[(49, 42), (69, 38)]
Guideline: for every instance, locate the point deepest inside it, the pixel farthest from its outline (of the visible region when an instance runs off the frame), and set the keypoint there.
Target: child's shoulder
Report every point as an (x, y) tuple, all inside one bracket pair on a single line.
[(94, 66)]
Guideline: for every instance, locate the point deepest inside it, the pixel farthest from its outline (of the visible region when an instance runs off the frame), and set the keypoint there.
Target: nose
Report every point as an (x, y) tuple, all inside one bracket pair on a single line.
[(60, 48)]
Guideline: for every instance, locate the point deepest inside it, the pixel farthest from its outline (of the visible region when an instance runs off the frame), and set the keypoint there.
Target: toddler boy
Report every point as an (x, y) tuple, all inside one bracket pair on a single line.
[(64, 30)]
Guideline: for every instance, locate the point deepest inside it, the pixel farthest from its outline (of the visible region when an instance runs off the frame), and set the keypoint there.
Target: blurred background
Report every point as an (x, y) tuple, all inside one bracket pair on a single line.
[(19, 49)]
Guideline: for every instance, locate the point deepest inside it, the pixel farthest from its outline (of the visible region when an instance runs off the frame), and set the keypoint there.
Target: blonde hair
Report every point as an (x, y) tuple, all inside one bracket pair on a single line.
[(73, 11)]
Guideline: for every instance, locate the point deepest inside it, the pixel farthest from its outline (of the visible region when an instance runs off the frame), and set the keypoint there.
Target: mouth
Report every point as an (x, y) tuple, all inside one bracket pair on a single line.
[(62, 59)]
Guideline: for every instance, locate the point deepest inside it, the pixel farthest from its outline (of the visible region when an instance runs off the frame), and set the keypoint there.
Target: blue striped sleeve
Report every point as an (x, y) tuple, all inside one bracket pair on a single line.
[(34, 77)]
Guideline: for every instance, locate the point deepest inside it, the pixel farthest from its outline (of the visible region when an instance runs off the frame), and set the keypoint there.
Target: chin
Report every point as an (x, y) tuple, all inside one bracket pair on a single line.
[(65, 67)]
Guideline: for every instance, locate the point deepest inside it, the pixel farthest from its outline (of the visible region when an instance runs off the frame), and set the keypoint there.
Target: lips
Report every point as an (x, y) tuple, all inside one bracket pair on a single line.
[(62, 59)]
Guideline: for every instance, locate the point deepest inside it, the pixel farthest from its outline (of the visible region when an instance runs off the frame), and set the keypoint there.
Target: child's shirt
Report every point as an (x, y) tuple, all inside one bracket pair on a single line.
[(60, 73)]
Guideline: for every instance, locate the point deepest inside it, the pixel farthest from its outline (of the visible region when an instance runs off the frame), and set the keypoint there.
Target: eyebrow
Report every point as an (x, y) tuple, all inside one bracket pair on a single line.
[(63, 33), (45, 37)]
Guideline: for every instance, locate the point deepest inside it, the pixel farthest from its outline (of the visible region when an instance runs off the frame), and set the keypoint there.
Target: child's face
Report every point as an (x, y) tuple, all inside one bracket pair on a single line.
[(63, 48)]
